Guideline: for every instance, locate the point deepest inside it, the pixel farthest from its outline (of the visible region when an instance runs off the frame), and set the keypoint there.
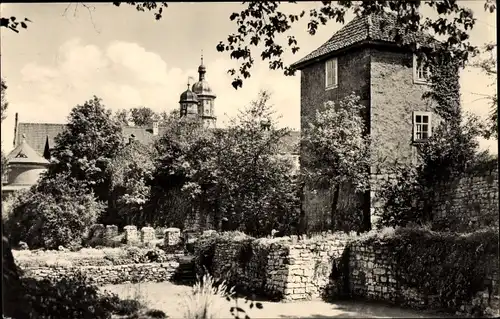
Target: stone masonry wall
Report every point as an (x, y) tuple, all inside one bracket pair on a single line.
[(469, 203), (464, 205), (372, 275), (281, 268), (103, 275), (326, 266)]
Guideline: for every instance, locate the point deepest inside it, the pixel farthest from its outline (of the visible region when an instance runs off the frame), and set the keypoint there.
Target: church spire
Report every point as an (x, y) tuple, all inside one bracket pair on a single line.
[(201, 69)]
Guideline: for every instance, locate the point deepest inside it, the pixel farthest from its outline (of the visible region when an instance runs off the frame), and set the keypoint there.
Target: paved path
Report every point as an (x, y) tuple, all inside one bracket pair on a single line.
[(169, 298)]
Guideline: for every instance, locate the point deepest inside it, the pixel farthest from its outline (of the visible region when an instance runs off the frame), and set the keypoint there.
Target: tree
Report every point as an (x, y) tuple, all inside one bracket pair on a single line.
[(12, 23), (142, 116), (85, 147), (54, 212), (185, 153), (248, 151), (488, 65), (121, 116), (15, 304), (338, 151), (131, 171), (4, 105), (261, 24), (206, 169)]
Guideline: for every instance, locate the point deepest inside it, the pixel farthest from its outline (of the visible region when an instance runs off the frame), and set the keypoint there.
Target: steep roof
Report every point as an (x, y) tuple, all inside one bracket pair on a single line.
[(23, 153), (37, 135), (375, 27)]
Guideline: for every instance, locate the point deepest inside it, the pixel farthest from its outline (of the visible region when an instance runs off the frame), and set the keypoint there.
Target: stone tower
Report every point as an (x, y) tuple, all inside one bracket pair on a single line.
[(205, 98)]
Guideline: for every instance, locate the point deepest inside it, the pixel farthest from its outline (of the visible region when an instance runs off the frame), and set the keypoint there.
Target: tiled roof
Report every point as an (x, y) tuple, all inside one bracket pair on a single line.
[(23, 153), (380, 27), (38, 133)]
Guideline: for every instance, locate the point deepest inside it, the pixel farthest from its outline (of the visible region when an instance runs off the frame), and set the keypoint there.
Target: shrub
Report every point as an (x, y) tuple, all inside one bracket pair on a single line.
[(135, 255), (154, 313), (204, 300), (69, 298), (156, 256), (10, 203), (453, 266), (54, 213), (127, 307)]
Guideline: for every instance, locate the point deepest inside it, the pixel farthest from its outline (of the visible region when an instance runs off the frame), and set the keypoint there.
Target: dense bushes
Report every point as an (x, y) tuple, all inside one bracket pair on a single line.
[(68, 298), (53, 213), (452, 266), (75, 298)]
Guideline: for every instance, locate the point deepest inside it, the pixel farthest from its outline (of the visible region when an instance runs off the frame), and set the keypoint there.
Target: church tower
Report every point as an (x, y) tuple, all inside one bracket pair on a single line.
[(205, 98), (188, 103)]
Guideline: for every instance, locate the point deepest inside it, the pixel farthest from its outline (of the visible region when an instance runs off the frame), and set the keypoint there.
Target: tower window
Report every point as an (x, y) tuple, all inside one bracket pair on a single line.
[(422, 126), (331, 74)]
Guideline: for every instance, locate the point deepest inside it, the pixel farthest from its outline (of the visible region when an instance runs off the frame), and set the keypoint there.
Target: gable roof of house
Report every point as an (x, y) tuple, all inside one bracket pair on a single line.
[(37, 135), (380, 27)]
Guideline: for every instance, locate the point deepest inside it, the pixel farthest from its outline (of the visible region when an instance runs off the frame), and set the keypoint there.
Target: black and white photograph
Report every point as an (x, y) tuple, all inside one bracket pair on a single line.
[(251, 159)]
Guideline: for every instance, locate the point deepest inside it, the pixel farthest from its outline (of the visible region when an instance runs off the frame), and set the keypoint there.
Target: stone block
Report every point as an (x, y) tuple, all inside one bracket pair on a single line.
[(97, 231), (172, 236), (130, 234), (111, 231), (148, 235)]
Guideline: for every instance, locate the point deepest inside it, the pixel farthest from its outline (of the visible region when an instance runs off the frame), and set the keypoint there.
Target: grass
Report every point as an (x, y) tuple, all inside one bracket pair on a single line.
[(204, 299)]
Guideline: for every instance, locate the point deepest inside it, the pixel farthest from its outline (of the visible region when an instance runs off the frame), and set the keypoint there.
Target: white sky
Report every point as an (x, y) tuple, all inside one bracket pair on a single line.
[(128, 59)]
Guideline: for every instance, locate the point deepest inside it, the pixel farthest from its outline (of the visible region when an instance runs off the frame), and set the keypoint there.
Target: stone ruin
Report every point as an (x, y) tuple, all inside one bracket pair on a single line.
[(130, 234), (148, 236), (172, 237), (97, 231), (111, 231)]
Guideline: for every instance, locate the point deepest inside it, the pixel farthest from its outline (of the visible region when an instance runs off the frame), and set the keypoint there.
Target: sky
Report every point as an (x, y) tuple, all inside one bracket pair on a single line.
[(71, 52)]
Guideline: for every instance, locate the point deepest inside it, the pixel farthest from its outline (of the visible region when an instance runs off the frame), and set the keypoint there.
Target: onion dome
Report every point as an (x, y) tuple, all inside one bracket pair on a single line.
[(201, 87), (188, 96)]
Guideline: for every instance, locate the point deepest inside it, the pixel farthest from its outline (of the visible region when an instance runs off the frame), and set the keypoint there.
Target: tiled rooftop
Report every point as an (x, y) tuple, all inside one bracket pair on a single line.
[(37, 135), (381, 27)]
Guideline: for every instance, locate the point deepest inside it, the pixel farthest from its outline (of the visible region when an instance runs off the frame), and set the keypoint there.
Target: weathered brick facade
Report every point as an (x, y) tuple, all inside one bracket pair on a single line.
[(382, 75)]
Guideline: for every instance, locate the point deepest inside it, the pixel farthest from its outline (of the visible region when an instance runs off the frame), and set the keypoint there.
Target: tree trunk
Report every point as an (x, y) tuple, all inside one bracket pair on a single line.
[(302, 216), (333, 212)]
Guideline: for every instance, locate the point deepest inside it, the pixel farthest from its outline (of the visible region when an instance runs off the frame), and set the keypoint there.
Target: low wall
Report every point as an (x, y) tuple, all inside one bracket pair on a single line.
[(280, 268), (104, 275), (374, 275), (469, 203), (336, 265)]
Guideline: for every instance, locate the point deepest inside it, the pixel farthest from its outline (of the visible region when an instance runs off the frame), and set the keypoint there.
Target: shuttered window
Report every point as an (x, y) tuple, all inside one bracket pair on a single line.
[(331, 73)]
